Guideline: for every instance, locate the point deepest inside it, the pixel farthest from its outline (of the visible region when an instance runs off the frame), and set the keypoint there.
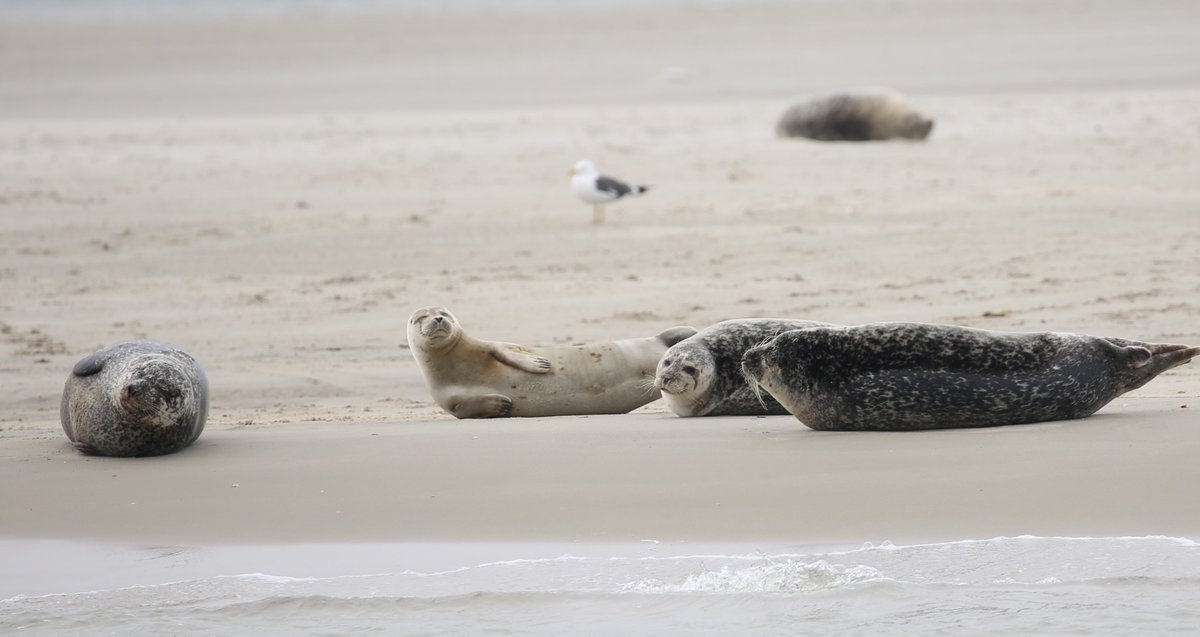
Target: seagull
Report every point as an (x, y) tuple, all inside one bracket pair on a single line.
[(596, 189)]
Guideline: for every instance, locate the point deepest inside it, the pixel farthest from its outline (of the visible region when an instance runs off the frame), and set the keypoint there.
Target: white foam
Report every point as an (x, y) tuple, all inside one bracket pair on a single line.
[(782, 577)]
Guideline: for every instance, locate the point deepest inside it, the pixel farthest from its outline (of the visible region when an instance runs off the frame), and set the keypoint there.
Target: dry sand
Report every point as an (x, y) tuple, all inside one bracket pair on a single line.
[(277, 195)]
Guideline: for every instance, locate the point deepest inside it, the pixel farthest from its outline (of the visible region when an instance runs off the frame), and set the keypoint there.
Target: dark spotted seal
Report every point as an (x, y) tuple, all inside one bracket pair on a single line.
[(854, 118), (137, 398), (905, 376), (474, 378), (702, 376)]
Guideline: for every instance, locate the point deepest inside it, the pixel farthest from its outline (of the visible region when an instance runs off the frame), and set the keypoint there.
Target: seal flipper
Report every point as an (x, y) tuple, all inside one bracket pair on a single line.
[(515, 356), (676, 334), (485, 406), (1147, 360), (86, 449), (1165, 357), (91, 364)]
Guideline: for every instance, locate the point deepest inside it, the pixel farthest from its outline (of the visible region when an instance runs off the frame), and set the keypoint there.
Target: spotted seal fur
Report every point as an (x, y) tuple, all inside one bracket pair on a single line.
[(855, 118), (907, 376), (137, 398)]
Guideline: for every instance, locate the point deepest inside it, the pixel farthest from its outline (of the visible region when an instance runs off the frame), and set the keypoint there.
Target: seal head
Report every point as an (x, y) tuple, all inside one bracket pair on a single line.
[(433, 328), (685, 376), (701, 376)]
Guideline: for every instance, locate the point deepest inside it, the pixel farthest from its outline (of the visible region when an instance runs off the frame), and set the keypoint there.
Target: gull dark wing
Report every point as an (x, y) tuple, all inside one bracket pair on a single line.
[(612, 186)]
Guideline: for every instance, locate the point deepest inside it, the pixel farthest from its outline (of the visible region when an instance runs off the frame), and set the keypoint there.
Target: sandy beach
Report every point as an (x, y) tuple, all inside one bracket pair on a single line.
[(277, 194)]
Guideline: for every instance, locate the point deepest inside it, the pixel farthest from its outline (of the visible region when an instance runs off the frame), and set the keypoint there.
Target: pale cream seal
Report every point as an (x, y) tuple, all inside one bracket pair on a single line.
[(473, 378)]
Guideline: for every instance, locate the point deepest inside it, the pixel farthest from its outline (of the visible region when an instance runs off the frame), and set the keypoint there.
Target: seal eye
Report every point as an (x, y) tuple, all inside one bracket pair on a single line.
[(689, 370), (666, 362), (418, 320)]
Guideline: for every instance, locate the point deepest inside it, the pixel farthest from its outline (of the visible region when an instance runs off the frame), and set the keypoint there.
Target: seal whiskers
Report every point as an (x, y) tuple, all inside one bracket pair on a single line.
[(756, 390), (753, 362), (647, 384)]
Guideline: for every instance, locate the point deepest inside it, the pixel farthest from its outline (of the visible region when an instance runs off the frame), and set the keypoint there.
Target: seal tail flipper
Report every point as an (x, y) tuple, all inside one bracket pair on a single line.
[(1147, 360), (1167, 356), (673, 335)]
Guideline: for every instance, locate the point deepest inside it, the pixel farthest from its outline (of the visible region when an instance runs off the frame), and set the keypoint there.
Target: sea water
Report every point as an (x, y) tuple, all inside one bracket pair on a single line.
[(1018, 585)]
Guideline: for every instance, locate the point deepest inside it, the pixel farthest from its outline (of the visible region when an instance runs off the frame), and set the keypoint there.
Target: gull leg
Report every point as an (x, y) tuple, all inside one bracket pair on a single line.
[(597, 214)]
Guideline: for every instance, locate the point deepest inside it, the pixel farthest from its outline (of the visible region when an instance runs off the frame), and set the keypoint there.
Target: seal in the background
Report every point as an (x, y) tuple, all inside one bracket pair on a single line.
[(854, 118), (702, 376), (137, 398), (905, 376), (473, 378)]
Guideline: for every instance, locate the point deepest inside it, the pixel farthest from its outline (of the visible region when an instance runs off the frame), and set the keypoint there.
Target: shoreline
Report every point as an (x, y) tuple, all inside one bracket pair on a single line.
[(48, 568)]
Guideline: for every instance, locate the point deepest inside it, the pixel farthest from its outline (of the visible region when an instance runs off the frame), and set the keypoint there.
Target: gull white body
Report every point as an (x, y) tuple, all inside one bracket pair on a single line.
[(592, 187)]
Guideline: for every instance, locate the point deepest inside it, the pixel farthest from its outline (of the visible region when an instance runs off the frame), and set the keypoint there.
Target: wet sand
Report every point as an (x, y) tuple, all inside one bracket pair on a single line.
[(1125, 472)]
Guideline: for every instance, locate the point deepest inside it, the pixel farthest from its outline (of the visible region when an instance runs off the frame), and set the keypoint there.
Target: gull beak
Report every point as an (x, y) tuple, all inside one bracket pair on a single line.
[(571, 173)]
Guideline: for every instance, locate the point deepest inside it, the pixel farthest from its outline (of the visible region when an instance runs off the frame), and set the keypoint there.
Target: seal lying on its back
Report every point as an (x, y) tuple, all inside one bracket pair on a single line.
[(472, 378), (137, 398), (702, 376), (905, 376), (854, 118)]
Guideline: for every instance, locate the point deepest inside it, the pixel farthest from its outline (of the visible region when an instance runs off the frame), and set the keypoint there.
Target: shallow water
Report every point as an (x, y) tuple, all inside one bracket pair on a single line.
[(1024, 585)]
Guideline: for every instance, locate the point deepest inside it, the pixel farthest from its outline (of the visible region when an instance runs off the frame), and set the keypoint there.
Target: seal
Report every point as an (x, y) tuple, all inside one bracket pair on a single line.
[(137, 398), (854, 118), (473, 378), (908, 376), (702, 376)]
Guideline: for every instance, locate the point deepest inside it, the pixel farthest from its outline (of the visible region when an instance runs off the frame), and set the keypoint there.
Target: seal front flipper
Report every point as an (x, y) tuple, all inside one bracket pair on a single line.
[(86, 449), (517, 356), (486, 406)]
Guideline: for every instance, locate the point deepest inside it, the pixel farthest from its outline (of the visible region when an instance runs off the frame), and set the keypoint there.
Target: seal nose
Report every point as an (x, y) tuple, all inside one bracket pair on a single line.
[(752, 364), (134, 389), (439, 319)]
